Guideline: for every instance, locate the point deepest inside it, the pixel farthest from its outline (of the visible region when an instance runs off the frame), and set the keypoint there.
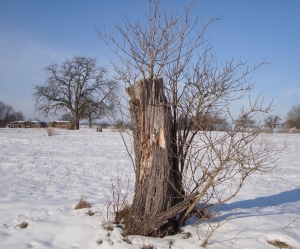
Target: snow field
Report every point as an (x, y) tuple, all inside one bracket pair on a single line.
[(43, 177)]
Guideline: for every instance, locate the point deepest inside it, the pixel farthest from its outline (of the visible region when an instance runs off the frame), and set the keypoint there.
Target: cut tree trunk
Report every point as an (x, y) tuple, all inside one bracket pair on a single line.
[(158, 186)]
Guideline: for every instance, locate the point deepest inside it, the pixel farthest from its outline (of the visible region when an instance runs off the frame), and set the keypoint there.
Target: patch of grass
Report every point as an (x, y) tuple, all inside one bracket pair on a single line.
[(279, 244), (23, 224), (83, 203), (108, 227), (99, 241), (123, 214)]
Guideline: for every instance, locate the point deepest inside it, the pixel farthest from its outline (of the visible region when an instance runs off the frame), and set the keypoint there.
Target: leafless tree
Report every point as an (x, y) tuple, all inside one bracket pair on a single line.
[(8, 114), (210, 121), (74, 86), (293, 117), (97, 110), (2, 110), (173, 77), (272, 121), (245, 122), (18, 116)]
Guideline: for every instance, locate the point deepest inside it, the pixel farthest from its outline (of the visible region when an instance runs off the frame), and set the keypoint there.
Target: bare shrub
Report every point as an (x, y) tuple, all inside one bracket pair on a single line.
[(116, 202), (120, 125), (99, 241), (83, 203), (23, 224), (50, 131)]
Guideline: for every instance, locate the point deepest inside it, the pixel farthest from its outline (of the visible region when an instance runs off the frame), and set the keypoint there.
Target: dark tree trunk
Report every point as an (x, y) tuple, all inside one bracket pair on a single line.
[(158, 185), (90, 123), (90, 120), (74, 123), (89, 116)]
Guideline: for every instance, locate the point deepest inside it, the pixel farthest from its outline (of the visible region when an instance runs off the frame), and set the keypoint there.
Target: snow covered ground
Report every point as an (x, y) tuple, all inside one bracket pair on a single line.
[(43, 177)]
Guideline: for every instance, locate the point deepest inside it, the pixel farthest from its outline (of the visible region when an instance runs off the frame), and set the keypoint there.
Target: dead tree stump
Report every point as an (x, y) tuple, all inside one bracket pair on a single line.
[(155, 186)]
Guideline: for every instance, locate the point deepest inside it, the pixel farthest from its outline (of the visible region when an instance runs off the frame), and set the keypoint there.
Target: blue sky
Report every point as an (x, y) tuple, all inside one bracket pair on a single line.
[(35, 33)]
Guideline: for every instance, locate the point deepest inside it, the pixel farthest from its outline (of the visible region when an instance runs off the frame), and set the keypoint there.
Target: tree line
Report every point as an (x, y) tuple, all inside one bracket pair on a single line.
[(292, 120), (8, 114), (79, 89)]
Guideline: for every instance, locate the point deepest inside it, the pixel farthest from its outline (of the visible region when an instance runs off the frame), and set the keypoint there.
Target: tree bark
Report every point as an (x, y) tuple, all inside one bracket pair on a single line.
[(75, 122), (157, 188)]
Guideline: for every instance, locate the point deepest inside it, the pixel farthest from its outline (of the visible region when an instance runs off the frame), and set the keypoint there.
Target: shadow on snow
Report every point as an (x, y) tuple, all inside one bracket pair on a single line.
[(263, 205)]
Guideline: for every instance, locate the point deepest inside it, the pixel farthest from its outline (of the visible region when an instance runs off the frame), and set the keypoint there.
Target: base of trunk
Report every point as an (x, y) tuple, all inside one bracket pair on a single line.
[(144, 228)]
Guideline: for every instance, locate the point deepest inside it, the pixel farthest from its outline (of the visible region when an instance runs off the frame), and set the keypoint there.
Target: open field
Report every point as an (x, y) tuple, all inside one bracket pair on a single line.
[(43, 177)]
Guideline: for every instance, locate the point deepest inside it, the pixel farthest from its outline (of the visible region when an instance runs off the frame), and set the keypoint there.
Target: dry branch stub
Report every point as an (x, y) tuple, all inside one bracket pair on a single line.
[(156, 187)]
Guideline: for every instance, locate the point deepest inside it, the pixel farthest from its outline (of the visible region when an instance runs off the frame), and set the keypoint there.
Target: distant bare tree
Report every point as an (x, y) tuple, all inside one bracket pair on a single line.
[(74, 86), (272, 121), (172, 76), (244, 122), (18, 116), (8, 114), (210, 122), (97, 110), (2, 112), (293, 117)]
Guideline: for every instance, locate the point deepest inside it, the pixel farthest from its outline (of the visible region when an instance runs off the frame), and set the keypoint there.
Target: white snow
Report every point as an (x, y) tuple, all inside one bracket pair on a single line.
[(43, 177)]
